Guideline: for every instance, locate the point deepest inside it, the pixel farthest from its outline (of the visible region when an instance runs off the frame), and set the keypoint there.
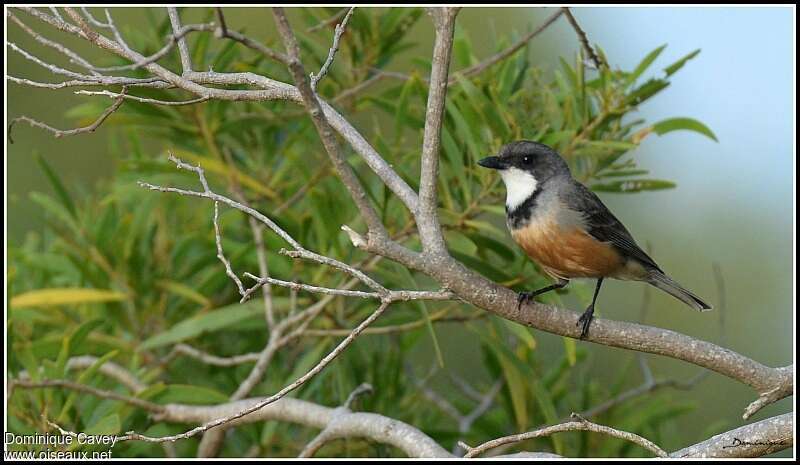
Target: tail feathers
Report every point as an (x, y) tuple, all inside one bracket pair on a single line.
[(666, 284)]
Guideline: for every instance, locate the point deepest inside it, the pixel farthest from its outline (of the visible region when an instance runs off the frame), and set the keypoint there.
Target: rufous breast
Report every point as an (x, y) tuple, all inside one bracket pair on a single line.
[(567, 252)]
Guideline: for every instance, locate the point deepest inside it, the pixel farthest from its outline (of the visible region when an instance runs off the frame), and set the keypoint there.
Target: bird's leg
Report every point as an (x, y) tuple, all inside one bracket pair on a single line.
[(586, 318), (525, 297)]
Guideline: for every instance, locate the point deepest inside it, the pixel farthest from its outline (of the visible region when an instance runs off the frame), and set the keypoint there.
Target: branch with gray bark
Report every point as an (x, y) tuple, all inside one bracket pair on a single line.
[(752, 440)]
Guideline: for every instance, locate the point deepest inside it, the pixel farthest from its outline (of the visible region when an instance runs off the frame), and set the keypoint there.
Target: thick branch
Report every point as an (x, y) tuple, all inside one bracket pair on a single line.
[(430, 230), (771, 383), (754, 440)]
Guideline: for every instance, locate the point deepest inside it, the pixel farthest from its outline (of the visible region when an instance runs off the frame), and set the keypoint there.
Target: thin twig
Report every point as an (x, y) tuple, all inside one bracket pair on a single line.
[(221, 253), (502, 55), (110, 94), (596, 60), (337, 35), (210, 359), (67, 384), (73, 57), (57, 133), (578, 423), (328, 21), (223, 32)]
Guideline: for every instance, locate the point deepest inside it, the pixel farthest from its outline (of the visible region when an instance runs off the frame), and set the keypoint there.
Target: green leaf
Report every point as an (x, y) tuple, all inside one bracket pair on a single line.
[(521, 332), (109, 424), (65, 296), (186, 394), (688, 124), (204, 323), (61, 192), (571, 350), (83, 378), (56, 209), (671, 69), (644, 64), (645, 91), (635, 185), (621, 173), (184, 291), (487, 243)]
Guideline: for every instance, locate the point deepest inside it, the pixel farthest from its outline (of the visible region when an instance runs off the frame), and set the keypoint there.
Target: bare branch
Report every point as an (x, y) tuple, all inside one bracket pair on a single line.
[(329, 432), (224, 32), (374, 427), (183, 49), (154, 83), (754, 440), (596, 60), (50, 67), (428, 218), (438, 317), (269, 90), (305, 287), (578, 423), (70, 132), (174, 38), (280, 394), (109, 368), (328, 21), (73, 57), (220, 253), (325, 131), (502, 55), (141, 99), (205, 357), (337, 35), (67, 384)]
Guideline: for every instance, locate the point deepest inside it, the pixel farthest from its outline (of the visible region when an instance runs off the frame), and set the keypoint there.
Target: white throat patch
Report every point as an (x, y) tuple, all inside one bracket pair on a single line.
[(519, 186)]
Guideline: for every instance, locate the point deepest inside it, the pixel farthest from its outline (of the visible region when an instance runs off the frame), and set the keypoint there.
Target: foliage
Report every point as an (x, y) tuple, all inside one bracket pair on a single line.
[(128, 273)]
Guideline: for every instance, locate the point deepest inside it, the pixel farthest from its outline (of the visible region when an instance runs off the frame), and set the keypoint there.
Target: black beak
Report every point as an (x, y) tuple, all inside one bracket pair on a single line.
[(495, 163)]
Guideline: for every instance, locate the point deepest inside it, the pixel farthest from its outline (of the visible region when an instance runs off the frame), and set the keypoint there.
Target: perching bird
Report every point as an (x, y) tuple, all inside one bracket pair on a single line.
[(565, 228)]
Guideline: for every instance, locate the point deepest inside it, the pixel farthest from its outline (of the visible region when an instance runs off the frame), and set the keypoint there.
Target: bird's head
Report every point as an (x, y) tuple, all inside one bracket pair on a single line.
[(525, 166)]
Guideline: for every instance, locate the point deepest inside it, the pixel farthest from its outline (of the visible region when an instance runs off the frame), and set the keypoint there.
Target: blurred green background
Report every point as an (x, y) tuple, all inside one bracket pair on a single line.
[(733, 204)]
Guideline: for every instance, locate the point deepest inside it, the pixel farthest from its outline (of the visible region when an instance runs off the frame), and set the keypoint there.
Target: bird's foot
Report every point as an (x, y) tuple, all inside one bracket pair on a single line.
[(585, 320), (524, 298)]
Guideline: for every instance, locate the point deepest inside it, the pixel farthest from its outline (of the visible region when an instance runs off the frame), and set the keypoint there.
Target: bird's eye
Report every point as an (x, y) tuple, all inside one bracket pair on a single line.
[(527, 160)]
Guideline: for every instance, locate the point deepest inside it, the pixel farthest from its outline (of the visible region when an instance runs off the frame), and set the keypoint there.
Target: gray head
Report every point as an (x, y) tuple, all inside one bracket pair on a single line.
[(525, 166)]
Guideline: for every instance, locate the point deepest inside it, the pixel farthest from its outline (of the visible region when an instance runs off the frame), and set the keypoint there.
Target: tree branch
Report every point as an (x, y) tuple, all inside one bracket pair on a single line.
[(183, 49), (337, 35), (502, 55), (324, 129), (753, 440), (577, 424), (57, 133), (430, 230), (596, 60)]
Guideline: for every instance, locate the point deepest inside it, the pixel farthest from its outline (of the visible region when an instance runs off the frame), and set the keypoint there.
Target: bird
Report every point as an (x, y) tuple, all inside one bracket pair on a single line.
[(564, 227)]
